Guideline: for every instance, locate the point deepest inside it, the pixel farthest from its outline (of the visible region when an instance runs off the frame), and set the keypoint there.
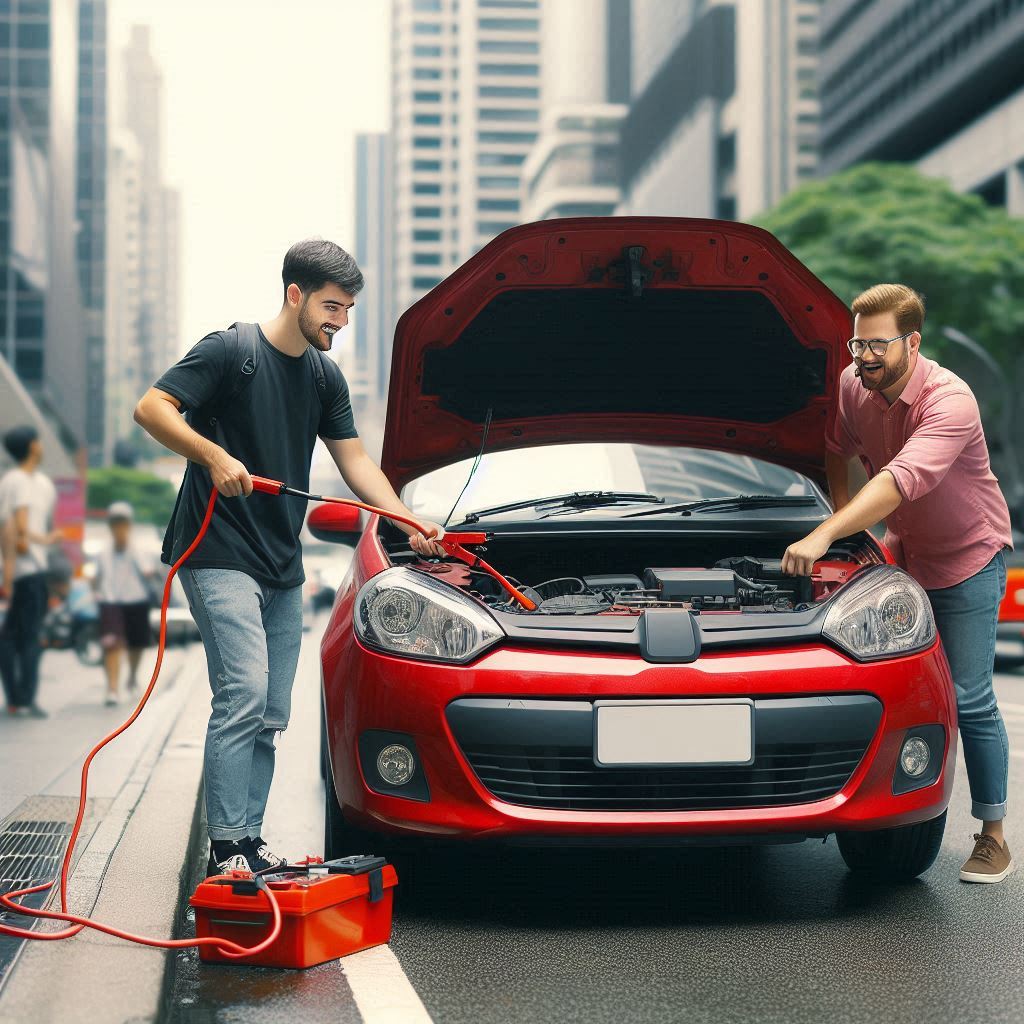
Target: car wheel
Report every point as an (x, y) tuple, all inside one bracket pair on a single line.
[(324, 773), (893, 854), (342, 839), (87, 644)]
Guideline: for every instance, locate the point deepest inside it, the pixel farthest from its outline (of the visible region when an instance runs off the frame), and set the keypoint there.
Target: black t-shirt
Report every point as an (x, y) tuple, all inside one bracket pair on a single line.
[(271, 428)]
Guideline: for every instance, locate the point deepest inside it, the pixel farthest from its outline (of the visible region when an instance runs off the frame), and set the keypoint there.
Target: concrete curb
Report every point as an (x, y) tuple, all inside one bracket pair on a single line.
[(131, 876)]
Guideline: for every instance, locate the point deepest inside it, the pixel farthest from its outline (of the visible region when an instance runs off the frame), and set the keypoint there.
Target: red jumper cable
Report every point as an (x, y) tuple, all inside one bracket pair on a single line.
[(452, 545)]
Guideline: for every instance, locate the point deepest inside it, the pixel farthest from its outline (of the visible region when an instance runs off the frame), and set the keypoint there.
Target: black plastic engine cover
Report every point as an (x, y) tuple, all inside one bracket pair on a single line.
[(712, 586)]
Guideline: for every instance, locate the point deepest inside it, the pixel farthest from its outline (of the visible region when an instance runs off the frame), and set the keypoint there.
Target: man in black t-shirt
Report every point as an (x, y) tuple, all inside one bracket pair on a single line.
[(244, 580)]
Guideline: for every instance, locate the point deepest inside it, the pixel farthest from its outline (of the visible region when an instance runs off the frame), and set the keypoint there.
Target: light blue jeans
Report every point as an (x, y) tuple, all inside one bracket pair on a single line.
[(252, 634), (966, 615)]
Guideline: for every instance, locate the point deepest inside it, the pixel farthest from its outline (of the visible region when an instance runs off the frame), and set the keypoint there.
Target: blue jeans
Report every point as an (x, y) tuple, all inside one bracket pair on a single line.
[(252, 635), (966, 615)]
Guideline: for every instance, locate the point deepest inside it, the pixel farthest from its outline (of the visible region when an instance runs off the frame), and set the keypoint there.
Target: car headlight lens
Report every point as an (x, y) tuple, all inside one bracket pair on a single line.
[(405, 612), (882, 614)]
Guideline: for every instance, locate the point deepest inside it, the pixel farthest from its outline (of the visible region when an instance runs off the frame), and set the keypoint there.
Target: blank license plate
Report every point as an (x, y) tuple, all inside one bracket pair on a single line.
[(675, 734)]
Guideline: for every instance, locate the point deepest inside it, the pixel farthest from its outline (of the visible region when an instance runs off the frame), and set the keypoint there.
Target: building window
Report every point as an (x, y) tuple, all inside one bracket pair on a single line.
[(426, 5), (426, 97), (426, 259), (426, 236), (426, 119), (493, 205), (428, 212), (500, 159), (508, 92), (426, 74), (426, 142), (493, 227), (426, 51), (509, 24), (426, 28), (508, 46), (426, 188), (496, 182), (512, 138), (426, 282), (32, 36), (510, 70), (502, 114), (426, 165), (523, 5)]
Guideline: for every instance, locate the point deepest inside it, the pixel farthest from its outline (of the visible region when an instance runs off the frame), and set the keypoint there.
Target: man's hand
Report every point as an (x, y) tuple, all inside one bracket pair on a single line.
[(229, 476), (54, 537), (800, 557), (420, 544)]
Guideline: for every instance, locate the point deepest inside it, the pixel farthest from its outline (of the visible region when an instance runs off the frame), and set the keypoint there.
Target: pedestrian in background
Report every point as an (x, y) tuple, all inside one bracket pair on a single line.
[(123, 592), (917, 430), (27, 501)]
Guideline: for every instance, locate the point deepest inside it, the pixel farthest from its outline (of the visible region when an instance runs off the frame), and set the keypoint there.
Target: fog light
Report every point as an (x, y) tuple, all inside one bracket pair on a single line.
[(915, 756), (396, 764)]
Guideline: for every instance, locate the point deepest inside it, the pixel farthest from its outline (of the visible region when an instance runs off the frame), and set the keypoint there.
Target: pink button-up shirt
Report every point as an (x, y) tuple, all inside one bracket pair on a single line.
[(953, 518)]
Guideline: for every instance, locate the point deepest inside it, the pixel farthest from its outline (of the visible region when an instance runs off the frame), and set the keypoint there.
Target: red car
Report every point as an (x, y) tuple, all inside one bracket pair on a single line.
[(650, 397)]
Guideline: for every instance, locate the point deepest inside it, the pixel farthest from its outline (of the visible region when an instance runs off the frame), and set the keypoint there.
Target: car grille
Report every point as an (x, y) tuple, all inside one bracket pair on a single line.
[(568, 778), (540, 754)]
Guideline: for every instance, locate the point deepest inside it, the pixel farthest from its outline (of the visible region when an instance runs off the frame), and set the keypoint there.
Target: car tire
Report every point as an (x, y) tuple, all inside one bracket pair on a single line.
[(342, 839), (324, 773), (87, 644), (893, 854)]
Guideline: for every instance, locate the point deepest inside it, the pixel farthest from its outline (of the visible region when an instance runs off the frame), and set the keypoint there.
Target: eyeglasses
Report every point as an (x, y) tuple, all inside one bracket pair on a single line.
[(876, 346)]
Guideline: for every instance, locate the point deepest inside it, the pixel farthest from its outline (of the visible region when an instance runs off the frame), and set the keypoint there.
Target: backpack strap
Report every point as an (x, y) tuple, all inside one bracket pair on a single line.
[(241, 361)]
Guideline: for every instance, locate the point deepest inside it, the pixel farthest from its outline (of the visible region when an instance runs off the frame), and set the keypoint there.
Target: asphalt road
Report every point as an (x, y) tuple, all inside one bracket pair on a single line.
[(780, 934)]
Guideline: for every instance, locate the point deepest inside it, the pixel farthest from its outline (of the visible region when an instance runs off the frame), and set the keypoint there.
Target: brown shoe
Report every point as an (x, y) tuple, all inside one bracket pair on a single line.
[(990, 862)]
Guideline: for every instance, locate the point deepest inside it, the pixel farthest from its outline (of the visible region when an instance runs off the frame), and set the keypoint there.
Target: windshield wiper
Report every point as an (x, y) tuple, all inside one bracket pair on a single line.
[(576, 499), (732, 503)]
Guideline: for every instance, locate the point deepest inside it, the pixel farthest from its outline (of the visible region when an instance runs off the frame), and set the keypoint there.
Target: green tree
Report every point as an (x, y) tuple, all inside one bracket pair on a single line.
[(887, 222), (151, 496)]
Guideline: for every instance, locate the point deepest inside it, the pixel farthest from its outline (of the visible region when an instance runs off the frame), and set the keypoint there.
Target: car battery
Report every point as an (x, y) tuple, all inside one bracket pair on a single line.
[(329, 909)]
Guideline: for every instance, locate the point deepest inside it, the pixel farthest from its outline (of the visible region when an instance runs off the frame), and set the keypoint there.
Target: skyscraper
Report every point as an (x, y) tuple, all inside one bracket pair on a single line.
[(465, 113), (723, 118), (41, 324), (91, 207), (374, 317), (573, 169), (142, 115), (940, 84)]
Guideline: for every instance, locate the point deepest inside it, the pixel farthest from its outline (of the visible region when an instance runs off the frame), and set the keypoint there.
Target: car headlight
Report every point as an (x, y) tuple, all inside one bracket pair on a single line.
[(882, 614), (406, 612)]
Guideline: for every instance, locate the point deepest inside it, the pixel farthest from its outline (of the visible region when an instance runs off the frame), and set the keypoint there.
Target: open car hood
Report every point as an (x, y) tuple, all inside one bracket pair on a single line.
[(652, 330)]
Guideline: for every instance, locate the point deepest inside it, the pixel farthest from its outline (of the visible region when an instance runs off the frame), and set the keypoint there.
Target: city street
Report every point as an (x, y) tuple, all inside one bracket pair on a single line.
[(780, 934)]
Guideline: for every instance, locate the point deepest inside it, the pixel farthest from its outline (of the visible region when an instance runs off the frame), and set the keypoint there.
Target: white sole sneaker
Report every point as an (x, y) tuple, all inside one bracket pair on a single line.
[(975, 876)]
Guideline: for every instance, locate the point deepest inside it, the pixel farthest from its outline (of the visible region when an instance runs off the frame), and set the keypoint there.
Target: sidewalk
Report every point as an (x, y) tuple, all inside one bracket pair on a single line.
[(133, 850)]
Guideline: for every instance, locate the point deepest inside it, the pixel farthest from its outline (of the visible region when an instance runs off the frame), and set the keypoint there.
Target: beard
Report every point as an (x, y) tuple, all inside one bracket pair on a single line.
[(889, 375), (311, 329)]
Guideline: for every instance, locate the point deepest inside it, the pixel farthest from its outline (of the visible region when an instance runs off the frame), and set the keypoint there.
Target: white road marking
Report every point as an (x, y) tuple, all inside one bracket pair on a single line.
[(383, 994)]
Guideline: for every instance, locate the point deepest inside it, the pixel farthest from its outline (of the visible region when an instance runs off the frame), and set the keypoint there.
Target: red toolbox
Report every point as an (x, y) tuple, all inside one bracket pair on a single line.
[(328, 910)]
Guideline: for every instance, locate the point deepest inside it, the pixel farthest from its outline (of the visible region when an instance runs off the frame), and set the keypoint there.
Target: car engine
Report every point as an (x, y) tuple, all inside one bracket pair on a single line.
[(731, 584)]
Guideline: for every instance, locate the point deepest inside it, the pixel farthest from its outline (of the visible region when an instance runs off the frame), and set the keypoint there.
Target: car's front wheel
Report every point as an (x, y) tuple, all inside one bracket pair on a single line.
[(893, 854)]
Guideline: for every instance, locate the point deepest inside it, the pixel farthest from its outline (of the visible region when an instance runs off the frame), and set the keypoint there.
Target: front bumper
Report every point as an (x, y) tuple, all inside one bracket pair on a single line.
[(856, 750)]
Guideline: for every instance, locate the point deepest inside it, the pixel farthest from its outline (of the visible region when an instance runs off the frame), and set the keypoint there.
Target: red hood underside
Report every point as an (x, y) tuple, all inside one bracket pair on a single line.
[(650, 330)]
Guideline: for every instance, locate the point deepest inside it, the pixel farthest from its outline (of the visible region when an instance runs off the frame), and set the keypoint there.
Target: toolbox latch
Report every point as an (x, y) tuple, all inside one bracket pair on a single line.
[(376, 885)]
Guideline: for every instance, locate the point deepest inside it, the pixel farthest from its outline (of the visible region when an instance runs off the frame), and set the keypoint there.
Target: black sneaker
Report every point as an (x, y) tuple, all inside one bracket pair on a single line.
[(235, 860), (261, 856)]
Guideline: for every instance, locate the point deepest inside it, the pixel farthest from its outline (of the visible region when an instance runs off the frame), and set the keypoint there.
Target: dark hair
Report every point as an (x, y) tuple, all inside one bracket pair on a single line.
[(18, 440), (314, 262)]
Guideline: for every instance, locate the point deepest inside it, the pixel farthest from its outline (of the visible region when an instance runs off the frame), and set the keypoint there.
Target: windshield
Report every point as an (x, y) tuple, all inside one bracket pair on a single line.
[(675, 474)]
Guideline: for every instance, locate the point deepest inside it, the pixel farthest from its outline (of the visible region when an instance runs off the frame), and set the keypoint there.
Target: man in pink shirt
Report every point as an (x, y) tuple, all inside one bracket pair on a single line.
[(917, 430)]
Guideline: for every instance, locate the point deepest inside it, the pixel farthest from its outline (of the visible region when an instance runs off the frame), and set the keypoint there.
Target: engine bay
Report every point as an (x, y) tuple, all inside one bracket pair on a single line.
[(625, 576)]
